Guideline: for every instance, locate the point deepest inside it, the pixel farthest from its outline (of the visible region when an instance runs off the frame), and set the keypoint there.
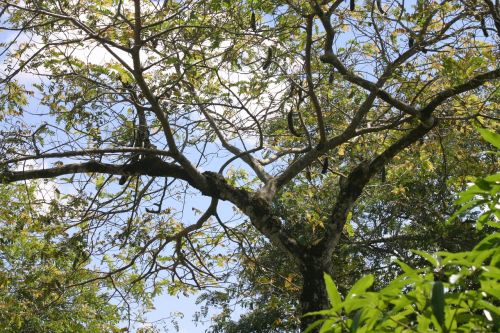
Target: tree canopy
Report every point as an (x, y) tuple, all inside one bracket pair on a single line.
[(38, 274), (338, 132)]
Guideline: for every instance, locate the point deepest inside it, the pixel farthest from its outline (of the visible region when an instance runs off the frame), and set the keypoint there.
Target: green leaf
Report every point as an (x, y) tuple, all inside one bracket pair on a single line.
[(327, 326), (487, 305), (355, 321), (429, 257), (360, 286), (407, 269), (319, 313), (364, 283), (493, 178), (491, 286), (483, 218), (333, 293), (491, 137), (314, 325), (490, 242), (483, 184), (125, 76)]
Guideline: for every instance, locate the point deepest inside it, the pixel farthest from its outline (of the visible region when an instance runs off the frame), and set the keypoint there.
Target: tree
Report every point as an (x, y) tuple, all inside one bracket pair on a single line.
[(137, 99)]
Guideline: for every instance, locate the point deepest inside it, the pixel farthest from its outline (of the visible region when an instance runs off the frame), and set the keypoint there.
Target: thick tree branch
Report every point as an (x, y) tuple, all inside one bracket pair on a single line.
[(471, 84), (149, 166), (258, 208), (310, 82), (352, 187), (137, 72), (88, 153)]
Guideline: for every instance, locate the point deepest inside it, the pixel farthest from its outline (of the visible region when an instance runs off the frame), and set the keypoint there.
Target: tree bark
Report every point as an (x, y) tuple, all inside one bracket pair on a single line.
[(313, 296)]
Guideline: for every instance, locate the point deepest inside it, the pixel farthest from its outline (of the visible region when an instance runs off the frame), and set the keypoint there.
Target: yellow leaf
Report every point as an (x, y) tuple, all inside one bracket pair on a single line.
[(399, 190), (429, 166), (288, 281), (349, 229), (341, 151)]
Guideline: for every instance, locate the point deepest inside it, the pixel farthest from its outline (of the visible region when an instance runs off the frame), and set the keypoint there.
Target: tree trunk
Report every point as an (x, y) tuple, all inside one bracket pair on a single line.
[(313, 296)]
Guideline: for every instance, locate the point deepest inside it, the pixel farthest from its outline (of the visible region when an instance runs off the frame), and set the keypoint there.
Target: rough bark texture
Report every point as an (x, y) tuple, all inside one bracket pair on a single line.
[(313, 296)]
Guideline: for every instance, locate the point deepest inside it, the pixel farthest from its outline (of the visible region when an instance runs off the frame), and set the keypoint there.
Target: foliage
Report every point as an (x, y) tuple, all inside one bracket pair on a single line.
[(453, 292), (485, 192), (442, 297), (42, 285), (266, 291)]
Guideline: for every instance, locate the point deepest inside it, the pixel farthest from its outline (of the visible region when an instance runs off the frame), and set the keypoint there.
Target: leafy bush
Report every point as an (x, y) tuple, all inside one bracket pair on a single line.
[(455, 292)]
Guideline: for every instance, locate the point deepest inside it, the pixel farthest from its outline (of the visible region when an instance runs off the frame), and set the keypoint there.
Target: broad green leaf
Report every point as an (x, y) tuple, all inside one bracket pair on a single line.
[(491, 137), (483, 184), (327, 326), (412, 273), (361, 285), (356, 321), (314, 325), (429, 257), (493, 178), (489, 306), (319, 313), (333, 293), (490, 242), (492, 286)]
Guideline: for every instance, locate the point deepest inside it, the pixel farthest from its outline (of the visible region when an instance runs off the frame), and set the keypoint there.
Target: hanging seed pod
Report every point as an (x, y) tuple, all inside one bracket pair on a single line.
[(379, 7), (308, 174), (269, 59), (291, 127), (253, 23), (123, 180), (352, 5), (483, 27), (411, 42), (324, 169), (331, 77)]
